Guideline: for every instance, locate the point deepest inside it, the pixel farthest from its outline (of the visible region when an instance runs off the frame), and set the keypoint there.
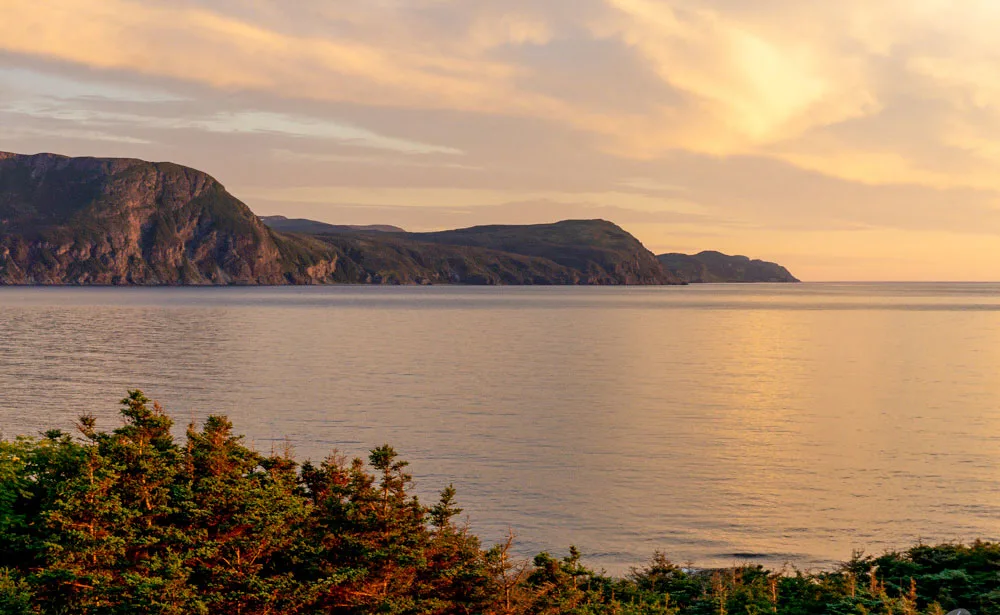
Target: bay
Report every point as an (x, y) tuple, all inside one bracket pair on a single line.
[(717, 423)]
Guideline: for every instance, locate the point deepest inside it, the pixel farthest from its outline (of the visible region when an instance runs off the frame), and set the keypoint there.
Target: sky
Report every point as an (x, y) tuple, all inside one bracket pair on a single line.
[(847, 140)]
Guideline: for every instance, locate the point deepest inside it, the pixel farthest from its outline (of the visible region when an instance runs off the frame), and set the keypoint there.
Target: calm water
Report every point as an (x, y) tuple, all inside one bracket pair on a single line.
[(794, 423)]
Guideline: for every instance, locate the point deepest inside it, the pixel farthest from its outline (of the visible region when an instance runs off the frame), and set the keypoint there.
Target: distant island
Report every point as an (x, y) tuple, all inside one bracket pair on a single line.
[(122, 221)]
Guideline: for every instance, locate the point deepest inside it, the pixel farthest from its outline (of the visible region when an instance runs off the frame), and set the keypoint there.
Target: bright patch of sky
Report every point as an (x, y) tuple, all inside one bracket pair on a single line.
[(67, 108), (297, 126), (854, 127), (71, 133)]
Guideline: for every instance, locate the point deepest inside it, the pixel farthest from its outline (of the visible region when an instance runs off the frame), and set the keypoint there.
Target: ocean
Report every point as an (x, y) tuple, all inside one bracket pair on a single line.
[(716, 423)]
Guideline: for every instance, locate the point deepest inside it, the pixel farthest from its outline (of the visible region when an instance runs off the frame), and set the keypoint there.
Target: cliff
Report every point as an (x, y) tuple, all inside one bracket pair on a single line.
[(717, 267), (112, 221), (122, 221)]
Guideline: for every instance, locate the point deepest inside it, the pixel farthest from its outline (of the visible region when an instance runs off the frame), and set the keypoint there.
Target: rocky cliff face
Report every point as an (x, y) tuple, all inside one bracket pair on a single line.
[(120, 221), (111, 221)]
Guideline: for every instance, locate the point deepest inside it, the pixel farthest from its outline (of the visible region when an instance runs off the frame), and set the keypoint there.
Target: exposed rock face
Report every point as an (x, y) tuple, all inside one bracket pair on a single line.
[(122, 221), (717, 267)]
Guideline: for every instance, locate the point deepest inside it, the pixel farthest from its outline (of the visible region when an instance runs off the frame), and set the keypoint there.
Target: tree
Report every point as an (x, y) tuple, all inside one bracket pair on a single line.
[(242, 512)]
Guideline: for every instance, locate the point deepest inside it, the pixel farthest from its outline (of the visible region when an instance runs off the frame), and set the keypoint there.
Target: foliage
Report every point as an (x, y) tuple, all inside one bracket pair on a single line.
[(135, 521)]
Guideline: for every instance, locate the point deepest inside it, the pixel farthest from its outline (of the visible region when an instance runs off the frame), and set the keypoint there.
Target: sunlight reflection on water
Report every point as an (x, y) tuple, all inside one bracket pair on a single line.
[(793, 423)]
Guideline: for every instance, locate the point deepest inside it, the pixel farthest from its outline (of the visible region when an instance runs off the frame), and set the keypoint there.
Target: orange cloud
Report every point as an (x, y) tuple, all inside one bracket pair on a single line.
[(745, 87), (774, 81), (205, 47)]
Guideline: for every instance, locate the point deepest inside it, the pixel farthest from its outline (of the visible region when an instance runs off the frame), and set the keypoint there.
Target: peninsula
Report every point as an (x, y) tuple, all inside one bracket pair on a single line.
[(122, 221)]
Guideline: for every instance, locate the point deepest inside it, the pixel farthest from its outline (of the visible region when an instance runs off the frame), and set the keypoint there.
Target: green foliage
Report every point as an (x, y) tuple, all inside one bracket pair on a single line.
[(15, 594), (132, 521)]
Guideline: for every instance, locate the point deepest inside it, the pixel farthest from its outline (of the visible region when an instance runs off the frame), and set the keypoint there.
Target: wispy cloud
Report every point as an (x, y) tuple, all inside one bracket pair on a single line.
[(209, 47), (38, 85), (868, 119), (73, 134), (754, 81), (231, 122), (297, 126), (745, 86), (377, 161)]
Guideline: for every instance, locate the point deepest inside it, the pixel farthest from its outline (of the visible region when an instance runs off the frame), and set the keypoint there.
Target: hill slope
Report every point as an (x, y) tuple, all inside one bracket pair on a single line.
[(717, 267), (124, 221), (600, 251), (574, 251), (370, 258), (312, 227)]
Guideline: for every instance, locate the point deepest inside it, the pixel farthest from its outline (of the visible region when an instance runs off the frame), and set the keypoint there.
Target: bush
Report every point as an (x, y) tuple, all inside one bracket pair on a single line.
[(132, 522)]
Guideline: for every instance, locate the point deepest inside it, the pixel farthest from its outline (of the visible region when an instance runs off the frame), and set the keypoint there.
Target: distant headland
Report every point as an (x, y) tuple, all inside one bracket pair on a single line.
[(122, 221)]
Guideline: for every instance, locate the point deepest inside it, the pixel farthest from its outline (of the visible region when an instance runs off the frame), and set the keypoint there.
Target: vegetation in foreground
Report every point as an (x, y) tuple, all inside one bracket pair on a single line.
[(132, 521)]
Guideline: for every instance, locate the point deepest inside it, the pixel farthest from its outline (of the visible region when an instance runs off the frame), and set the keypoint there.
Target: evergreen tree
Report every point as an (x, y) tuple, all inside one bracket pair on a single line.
[(129, 522)]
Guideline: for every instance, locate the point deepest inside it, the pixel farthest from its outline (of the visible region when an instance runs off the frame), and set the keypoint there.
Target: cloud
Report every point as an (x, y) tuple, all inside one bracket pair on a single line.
[(34, 132), (763, 120), (738, 81), (647, 185), (34, 84), (745, 88), (491, 31), (742, 87), (464, 198), (199, 45), (226, 122), (297, 126), (376, 161)]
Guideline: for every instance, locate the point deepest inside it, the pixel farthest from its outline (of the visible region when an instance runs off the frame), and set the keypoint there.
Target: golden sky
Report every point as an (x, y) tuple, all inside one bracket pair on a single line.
[(848, 140)]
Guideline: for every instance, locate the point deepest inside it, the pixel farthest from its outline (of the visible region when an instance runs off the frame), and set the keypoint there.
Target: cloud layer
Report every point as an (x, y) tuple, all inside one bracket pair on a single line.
[(799, 131)]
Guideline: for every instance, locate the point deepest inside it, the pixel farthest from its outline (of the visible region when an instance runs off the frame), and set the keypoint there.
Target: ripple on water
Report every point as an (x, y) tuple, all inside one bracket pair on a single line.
[(717, 424)]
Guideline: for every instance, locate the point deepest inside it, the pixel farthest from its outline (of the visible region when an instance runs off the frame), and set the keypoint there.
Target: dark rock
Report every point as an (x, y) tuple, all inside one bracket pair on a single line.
[(717, 267), (110, 221)]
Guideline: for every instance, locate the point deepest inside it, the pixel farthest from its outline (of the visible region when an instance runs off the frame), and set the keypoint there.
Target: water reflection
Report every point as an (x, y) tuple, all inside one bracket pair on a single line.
[(794, 422)]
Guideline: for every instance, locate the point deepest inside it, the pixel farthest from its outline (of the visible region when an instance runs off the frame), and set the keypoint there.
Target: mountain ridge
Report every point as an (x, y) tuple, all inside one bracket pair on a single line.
[(599, 249), (708, 266), (313, 227), (125, 221)]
